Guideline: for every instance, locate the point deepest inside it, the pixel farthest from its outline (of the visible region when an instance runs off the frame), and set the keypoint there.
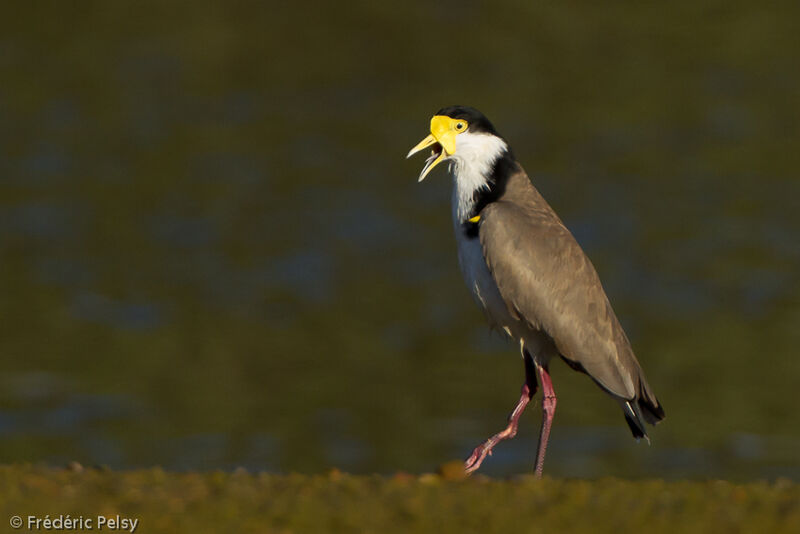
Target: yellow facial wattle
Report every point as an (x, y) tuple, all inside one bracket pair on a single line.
[(444, 130)]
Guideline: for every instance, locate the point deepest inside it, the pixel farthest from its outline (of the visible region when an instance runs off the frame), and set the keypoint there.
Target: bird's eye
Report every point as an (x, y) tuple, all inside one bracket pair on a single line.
[(460, 125)]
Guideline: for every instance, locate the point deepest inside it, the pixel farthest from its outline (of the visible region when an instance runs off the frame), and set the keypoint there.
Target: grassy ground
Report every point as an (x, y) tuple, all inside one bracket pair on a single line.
[(337, 502)]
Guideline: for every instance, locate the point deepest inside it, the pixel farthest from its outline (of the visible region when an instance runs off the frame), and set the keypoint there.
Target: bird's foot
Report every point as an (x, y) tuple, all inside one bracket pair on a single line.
[(485, 449), (476, 458)]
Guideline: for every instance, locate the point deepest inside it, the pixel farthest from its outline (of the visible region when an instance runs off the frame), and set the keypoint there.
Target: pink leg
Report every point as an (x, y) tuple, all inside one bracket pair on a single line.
[(548, 410), (485, 449)]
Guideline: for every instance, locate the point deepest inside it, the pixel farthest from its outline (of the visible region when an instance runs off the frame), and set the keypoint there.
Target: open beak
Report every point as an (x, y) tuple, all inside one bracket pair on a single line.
[(442, 141)]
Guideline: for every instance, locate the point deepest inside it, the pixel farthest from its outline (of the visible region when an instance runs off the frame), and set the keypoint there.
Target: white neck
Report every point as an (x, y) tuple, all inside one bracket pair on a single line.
[(471, 166)]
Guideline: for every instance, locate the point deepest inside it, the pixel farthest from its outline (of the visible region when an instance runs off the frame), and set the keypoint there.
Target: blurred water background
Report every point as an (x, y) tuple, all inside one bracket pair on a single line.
[(213, 253)]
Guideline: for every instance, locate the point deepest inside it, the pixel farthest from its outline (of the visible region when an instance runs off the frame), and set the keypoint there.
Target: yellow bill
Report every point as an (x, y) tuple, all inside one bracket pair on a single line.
[(442, 140)]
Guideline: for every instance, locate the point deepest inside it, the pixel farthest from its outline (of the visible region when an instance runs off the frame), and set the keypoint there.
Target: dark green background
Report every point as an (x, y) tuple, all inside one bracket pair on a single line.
[(214, 254)]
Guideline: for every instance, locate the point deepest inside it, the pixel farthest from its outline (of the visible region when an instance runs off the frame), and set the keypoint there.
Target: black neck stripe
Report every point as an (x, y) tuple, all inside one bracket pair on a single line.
[(502, 170)]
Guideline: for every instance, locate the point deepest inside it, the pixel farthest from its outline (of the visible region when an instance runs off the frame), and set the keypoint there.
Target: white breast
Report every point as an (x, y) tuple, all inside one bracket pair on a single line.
[(477, 276), (471, 166)]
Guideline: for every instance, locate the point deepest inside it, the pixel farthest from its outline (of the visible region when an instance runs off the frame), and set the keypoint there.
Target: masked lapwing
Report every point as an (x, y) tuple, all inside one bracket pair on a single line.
[(530, 276)]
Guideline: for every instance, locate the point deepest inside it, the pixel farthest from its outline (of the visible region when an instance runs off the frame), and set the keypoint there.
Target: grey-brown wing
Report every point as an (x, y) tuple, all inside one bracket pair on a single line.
[(547, 281)]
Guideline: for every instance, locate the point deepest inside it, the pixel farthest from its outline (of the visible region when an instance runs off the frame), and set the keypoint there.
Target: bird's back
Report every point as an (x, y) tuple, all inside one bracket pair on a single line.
[(550, 284)]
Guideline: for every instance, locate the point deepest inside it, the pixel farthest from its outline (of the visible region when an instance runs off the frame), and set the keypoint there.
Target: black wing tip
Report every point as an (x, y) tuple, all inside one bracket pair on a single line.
[(636, 417), (637, 429), (652, 410), (636, 426)]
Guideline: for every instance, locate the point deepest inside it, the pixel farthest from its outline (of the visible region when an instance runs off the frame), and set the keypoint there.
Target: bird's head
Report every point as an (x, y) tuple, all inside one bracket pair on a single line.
[(459, 132)]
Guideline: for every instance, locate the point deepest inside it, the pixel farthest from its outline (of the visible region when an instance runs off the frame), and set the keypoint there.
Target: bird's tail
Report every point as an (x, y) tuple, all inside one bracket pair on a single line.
[(642, 408)]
